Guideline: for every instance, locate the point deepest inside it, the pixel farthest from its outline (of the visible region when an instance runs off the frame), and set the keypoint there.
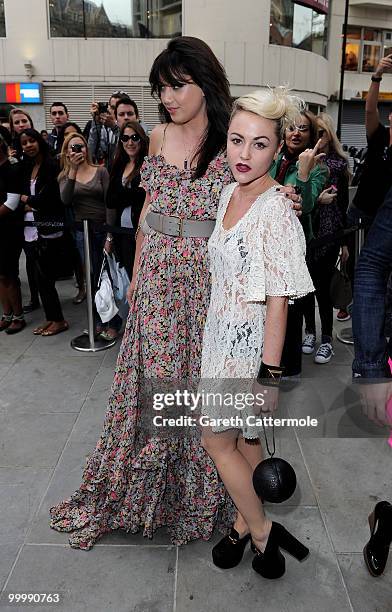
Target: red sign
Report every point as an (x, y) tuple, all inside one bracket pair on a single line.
[(321, 6)]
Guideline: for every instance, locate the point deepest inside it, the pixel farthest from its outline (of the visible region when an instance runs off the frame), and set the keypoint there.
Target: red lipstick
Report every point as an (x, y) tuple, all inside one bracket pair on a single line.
[(242, 168)]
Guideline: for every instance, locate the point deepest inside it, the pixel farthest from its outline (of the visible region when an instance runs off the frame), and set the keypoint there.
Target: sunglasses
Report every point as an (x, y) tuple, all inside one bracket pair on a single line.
[(298, 128), (321, 132), (134, 137)]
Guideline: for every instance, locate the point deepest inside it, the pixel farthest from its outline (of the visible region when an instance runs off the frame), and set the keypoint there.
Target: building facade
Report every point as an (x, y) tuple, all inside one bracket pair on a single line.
[(82, 50), (369, 38)]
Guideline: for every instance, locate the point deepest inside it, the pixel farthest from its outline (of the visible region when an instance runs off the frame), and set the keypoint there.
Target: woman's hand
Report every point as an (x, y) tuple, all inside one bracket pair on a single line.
[(296, 200), (374, 399), (108, 245), (384, 65), (270, 396), (344, 255), (75, 159), (328, 196), (307, 161)]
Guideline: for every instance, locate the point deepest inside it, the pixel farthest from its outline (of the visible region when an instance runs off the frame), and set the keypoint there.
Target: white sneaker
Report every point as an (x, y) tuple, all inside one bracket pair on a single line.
[(324, 353), (308, 344)]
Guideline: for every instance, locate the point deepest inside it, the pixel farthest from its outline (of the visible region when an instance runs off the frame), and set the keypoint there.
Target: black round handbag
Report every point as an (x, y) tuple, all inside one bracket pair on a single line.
[(274, 479)]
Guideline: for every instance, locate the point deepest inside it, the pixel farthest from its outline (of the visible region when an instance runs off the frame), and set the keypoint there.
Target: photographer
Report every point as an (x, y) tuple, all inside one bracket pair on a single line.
[(103, 134), (376, 178)]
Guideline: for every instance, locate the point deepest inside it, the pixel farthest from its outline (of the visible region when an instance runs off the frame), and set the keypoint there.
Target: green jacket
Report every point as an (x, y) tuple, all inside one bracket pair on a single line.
[(310, 190)]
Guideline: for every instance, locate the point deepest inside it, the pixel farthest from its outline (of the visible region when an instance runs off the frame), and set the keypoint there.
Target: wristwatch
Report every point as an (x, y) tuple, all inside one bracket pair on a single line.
[(376, 79)]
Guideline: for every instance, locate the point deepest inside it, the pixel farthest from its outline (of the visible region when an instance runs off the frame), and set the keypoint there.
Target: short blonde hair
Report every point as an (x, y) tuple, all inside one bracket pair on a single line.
[(274, 103)]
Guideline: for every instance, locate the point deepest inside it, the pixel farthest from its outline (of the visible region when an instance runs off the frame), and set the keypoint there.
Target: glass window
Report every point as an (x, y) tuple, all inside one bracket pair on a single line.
[(370, 57), (108, 18), (374, 35), (319, 34), (352, 56), (302, 27), (115, 18), (164, 18), (281, 23), (66, 18), (2, 19), (354, 32), (293, 25)]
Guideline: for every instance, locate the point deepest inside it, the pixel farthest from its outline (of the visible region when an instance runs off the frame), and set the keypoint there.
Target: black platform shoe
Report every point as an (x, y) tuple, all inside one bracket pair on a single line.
[(377, 549), (230, 550), (271, 563)]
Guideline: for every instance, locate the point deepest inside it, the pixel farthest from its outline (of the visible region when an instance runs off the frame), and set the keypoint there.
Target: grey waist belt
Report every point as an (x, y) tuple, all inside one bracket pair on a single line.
[(181, 228)]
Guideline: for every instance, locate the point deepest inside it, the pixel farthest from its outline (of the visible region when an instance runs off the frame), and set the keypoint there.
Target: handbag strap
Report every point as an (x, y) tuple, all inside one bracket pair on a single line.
[(271, 454), (102, 269)]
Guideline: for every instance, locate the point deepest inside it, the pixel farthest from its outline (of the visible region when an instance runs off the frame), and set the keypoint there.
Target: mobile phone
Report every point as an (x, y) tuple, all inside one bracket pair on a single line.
[(102, 107), (76, 148)]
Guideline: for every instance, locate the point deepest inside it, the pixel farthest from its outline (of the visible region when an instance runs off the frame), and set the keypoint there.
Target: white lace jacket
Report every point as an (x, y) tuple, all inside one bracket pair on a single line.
[(262, 255)]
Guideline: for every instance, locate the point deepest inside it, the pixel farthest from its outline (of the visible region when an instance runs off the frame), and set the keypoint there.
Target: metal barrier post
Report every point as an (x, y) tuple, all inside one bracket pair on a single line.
[(89, 343), (346, 334)]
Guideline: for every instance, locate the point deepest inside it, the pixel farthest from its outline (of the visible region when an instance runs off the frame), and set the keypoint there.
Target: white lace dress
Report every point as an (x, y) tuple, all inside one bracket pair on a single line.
[(262, 255)]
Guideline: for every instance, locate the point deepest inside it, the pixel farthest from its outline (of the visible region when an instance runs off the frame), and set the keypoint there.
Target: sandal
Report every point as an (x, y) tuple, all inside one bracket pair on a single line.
[(18, 323), (5, 321), (109, 335), (38, 330), (53, 332)]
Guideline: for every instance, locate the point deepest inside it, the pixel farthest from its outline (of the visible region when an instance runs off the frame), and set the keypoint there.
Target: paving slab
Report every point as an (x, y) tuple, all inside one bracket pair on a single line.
[(40, 385), (21, 490), (8, 553), (33, 440), (105, 579), (367, 594), (314, 584), (349, 477)]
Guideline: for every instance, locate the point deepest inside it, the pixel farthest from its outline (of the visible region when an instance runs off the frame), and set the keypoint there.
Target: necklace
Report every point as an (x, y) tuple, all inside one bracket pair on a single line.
[(189, 151)]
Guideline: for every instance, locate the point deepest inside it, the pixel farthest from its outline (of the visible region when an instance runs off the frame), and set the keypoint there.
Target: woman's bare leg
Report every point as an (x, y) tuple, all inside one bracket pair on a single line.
[(236, 474), (253, 453)]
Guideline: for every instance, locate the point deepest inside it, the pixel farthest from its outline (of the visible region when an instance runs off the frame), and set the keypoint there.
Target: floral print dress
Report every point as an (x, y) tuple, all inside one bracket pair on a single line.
[(136, 479)]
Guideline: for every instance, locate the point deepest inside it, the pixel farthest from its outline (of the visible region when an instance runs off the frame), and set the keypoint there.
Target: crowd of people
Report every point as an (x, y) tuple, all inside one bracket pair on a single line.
[(64, 177), (228, 201)]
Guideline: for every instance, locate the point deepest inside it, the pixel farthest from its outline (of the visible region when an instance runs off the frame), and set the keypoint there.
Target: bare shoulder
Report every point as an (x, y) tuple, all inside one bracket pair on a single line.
[(156, 138)]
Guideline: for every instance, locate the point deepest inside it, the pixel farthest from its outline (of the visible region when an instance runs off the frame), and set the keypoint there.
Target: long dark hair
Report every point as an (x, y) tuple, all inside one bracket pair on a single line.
[(48, 166), (121, 158), (186, 57)]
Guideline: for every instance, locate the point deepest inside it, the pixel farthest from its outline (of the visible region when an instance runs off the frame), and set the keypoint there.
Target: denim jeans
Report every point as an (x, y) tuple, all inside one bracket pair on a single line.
[(97, 243), (370, 286)]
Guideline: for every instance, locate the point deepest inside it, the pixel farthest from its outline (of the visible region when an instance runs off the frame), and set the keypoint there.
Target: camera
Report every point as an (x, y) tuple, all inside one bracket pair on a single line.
[(76, 148), (102, 107)]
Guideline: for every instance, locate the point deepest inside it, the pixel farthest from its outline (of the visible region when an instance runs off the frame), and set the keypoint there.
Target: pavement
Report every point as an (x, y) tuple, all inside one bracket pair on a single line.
[(52, 406)]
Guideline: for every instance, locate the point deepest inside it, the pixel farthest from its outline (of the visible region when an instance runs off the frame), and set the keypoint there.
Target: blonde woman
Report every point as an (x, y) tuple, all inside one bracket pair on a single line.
[(257, 262), (329, 216), (83, 187)]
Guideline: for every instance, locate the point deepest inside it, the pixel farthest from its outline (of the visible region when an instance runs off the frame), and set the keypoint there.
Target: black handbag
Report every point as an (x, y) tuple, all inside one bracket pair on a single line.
[(340, 288), (274, 479)]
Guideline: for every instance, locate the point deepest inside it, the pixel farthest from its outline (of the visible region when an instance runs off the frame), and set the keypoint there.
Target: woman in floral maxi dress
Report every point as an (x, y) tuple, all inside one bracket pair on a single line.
[(134, 480)]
